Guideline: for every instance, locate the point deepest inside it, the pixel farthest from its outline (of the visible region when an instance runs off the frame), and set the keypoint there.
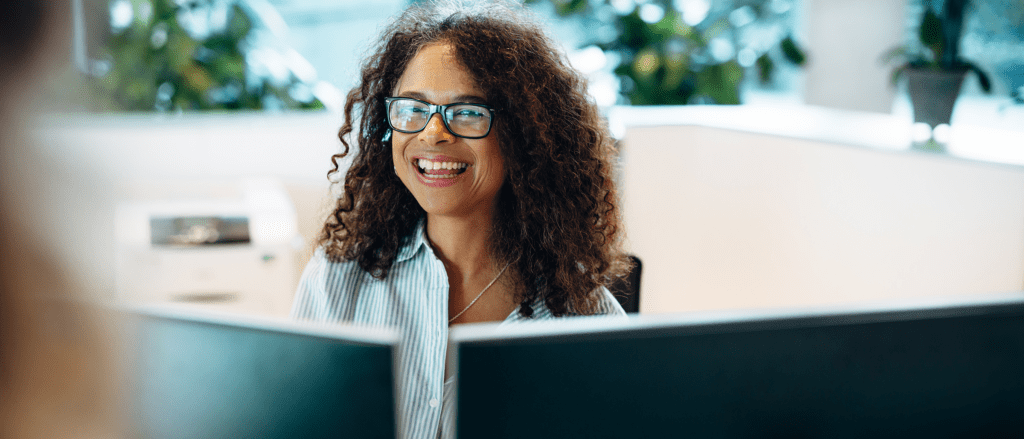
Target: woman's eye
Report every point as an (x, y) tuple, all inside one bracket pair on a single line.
[(469, 113), (411, 111)]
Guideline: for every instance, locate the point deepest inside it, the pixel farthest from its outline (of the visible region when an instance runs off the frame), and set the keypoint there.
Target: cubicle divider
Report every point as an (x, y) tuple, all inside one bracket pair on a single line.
[(744, 218)]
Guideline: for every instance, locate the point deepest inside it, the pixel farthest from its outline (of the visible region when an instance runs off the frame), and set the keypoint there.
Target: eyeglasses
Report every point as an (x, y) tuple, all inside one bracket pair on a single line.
[(470, 121)]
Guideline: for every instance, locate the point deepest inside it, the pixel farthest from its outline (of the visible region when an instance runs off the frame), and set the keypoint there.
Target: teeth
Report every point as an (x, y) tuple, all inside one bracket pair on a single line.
[(428, 165)]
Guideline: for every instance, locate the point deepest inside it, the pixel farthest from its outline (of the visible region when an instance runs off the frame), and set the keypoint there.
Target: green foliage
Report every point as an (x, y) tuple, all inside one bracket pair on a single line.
[(930, 32), (570, 7), (669, 62), (765, 68), (154, 64), (792, 52), (720, 82)]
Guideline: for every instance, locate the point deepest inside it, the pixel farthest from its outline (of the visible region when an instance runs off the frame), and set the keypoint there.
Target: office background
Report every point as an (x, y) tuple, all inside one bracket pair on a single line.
[(810, 192)]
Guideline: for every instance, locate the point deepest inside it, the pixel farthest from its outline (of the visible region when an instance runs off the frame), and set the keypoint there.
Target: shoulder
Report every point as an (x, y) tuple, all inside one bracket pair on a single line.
[(343, 291), (321, 270), (606, 306), (321, 282)]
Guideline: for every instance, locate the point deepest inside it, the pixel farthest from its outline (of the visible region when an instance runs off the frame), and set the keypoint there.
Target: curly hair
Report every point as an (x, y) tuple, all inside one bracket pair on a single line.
[(557, 223)]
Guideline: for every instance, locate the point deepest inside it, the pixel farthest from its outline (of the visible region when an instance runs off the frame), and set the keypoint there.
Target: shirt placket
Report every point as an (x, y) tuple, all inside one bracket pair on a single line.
[(437, 330)]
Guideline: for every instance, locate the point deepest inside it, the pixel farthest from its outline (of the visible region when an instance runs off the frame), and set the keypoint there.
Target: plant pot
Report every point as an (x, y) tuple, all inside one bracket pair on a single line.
[(933, 94)]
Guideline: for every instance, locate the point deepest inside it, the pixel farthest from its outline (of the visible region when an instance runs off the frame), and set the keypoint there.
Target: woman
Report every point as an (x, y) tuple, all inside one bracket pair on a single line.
[(480, 190)]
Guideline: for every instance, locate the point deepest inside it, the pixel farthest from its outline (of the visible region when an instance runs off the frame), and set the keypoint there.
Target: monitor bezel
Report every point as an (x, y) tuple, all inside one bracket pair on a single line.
[(739, 319), (374, 335)]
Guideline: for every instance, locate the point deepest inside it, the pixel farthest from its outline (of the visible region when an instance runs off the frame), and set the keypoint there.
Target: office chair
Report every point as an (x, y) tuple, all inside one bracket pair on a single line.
[(627, 289)]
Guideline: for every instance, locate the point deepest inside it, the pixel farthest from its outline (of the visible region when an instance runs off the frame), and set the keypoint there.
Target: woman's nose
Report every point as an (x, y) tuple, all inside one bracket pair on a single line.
[(435, 131)]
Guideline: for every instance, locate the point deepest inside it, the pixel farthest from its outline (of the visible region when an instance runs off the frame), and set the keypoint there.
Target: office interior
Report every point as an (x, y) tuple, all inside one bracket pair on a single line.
[(814, 194), (808, 196)]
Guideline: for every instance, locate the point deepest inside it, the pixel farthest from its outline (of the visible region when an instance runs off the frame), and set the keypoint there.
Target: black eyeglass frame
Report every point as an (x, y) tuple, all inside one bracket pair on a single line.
[(438, 109)]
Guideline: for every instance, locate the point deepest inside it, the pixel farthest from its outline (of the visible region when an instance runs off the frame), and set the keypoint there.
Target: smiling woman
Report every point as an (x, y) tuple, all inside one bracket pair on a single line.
[(425, 158), (480, 189)]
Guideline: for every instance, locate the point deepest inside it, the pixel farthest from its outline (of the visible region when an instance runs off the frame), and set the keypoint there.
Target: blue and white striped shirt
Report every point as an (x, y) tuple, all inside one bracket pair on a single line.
[(413, 298)]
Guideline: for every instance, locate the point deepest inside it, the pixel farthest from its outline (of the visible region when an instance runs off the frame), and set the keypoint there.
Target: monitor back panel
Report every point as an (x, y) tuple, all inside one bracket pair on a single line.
[(218, 380), (953, 373)]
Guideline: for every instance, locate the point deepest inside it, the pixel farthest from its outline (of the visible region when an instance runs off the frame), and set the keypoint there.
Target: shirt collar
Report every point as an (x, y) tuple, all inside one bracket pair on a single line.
[(416, 241)]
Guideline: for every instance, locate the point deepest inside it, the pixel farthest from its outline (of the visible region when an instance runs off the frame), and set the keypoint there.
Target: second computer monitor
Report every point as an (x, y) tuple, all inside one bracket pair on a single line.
[(950, 369)]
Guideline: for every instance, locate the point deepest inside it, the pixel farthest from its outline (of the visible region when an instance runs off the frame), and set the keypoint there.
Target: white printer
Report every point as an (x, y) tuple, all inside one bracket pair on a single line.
[(237, 253)]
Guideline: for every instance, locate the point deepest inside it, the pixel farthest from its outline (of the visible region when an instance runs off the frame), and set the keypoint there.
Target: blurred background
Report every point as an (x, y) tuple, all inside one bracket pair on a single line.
[(187, 55), (771, 151)]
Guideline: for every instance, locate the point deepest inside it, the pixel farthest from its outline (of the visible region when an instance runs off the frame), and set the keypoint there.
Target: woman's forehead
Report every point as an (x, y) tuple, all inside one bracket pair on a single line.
[(437, 75)]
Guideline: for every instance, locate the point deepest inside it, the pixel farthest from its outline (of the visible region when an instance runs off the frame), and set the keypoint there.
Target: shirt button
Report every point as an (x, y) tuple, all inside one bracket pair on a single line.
[(434, 402)]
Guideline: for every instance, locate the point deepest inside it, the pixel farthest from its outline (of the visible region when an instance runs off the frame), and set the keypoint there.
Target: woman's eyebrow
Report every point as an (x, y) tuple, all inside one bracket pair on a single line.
[(412, 94), (469, 98)]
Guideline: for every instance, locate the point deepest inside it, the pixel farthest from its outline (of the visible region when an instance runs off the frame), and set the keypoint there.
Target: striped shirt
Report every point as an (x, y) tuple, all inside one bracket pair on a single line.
[(414, 299)]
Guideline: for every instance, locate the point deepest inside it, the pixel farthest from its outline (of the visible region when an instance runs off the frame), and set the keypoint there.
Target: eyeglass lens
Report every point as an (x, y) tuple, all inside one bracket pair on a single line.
[(464, 120)]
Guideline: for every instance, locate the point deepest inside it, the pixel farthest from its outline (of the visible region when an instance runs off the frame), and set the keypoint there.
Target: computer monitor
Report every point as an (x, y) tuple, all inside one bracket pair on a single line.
[(204, 375), (932, 368)]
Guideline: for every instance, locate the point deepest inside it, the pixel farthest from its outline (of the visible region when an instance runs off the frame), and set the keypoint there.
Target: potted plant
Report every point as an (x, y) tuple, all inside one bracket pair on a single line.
[(934, 69)]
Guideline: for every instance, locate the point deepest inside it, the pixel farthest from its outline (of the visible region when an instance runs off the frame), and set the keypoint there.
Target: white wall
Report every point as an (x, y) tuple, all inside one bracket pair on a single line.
[(844, 42), (156, 157), (723, 218)]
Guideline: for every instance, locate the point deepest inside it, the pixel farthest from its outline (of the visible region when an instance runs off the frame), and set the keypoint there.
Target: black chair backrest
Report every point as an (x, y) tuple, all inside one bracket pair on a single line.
[(627, 289)]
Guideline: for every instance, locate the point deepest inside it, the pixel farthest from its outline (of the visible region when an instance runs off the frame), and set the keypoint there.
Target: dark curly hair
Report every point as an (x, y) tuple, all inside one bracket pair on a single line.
[(557, 223)]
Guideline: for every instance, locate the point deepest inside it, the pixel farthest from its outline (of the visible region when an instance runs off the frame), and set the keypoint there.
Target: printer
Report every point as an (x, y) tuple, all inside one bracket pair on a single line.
[(236, 253)]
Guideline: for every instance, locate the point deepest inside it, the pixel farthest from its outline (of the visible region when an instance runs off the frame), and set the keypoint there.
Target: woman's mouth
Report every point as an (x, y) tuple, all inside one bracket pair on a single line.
[(440, 170)]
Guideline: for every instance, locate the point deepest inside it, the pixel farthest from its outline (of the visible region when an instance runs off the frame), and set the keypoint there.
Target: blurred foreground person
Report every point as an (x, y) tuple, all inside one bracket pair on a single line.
[(55, 371)]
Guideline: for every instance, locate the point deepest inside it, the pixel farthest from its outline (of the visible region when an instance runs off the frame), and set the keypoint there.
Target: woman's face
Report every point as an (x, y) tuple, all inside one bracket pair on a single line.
[(435, 75)]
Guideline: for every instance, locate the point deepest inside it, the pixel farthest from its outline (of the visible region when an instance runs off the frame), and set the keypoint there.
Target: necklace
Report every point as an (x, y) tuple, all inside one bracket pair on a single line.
[(478, 295)]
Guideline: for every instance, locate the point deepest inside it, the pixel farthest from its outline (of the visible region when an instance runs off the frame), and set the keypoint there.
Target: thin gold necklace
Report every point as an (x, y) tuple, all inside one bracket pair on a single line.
[(478, 295)]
